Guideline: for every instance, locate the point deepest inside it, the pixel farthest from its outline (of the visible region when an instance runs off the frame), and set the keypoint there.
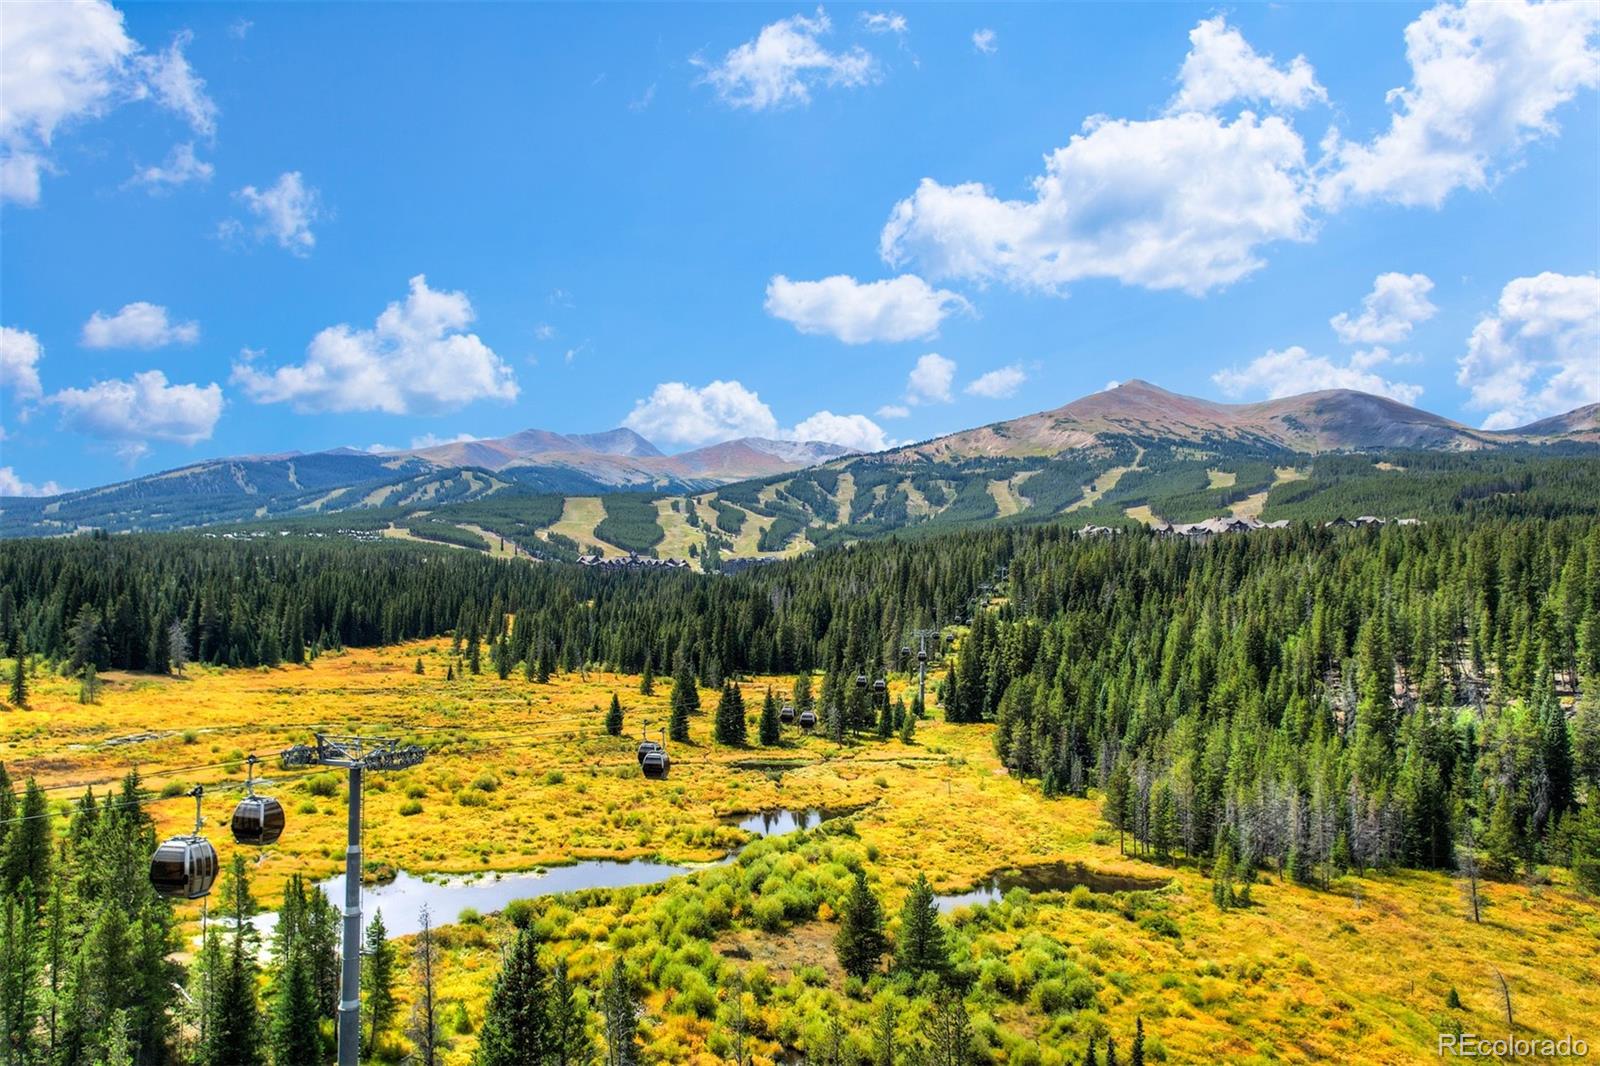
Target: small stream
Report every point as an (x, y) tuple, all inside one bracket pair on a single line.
[(1051, 877), (446, 896)]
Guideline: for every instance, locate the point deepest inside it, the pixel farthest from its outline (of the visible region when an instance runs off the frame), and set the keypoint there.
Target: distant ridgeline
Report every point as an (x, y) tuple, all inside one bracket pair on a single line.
[(1118, 482), (1307, 695)]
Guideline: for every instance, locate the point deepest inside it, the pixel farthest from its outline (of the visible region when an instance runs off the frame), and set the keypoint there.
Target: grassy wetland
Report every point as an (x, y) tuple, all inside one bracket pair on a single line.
[(521, 775)]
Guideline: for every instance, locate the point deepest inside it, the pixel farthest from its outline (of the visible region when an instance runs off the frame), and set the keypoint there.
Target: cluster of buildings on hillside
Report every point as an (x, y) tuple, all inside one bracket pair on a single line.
[(1210, 527), (632, 562)]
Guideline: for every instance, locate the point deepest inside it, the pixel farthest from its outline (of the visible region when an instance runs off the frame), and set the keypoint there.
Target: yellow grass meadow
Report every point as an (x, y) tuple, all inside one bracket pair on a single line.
[(520, 775)]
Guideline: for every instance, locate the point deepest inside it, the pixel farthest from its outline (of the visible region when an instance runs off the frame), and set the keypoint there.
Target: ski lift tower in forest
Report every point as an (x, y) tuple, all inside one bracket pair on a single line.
[(921, 636), (356, 755)]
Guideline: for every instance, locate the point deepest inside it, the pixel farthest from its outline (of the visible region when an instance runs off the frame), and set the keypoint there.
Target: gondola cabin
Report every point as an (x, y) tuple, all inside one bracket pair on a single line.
[(258, 821), (808, 719), (184, 868), (786, 714), (880, 686), (646, 749), (655, 764), (861, 681), (922, 655)]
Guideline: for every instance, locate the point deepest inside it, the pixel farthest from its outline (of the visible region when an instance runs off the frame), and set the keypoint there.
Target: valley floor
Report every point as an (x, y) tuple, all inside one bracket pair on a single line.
[(520, 775)]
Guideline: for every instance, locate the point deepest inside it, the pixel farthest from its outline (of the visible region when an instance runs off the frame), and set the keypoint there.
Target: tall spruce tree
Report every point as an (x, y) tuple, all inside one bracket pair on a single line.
[(771, 730), (516, 1027), (620, 1010), (614, 717), (569, 1020), (685, 699), (920, 945), (860, 942), (729, 724), (378, 975)]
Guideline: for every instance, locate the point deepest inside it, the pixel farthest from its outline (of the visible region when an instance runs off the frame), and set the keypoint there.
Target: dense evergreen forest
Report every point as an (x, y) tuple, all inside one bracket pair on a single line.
[(1309, 700), (1305, 695)]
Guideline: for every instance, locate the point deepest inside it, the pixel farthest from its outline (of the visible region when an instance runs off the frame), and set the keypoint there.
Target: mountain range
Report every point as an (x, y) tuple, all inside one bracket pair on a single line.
[(1092, 433)]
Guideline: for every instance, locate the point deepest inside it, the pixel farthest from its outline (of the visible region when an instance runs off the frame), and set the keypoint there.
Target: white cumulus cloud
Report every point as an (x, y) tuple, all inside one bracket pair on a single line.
[(680, 414), (179, 168), (1539, 353), (417, 358), (20, 352), (884, 22), (284, 212), (176, 85), (784, 63), (894, 410), (429, 440), (930, 380), (1396, 303), (1486, 79), (1295, 370), (985, 41), (856, 432), (67, 63), (137, 325), (1221, 67), (135, 412), (998, 384), (684, 414), (895, 309), (1180, 202), (12, 485)]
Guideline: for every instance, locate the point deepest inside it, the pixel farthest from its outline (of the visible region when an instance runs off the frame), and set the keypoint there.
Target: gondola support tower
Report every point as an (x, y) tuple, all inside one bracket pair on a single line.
[(356, 755)]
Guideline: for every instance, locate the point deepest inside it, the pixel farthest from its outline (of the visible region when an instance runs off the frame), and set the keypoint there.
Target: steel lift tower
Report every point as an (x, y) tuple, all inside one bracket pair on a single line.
[(356, 755)]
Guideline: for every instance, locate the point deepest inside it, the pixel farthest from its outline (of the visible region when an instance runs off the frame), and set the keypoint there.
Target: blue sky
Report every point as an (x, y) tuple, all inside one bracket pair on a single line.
[(234, 229)]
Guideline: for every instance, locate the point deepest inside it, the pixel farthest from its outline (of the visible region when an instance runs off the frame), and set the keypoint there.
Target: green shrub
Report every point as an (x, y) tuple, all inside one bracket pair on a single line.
[(409, 808), (324, 785)]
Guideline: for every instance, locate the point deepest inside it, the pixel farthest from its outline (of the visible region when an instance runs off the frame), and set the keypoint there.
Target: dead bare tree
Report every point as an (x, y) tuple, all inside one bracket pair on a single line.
[(1505, 996), (1467, 866), (424, 1029)]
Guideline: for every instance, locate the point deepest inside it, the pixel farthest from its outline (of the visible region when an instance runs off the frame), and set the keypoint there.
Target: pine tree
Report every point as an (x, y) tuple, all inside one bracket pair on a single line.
[(295, 1038), (685, 700), (614, 717), (516, 1026), (569, 1021), (920, 946), (860, 942), (418, 671), (28, 850), (947, 1032), (885, 1040), (377, 980), (19, 974), (802, 693), (729, 726), (233, 1027), (1503, 840), (619, 1005), (771, 731), (19, 671), (647, 680), (1091, 1057), (1586, 846), (1222, 873), (886, 720), (908, 729), (1136, 1055), (1115, 808)]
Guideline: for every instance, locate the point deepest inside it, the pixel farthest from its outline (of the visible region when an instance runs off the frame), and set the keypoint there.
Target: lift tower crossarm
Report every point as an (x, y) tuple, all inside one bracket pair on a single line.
[(355, 754)]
